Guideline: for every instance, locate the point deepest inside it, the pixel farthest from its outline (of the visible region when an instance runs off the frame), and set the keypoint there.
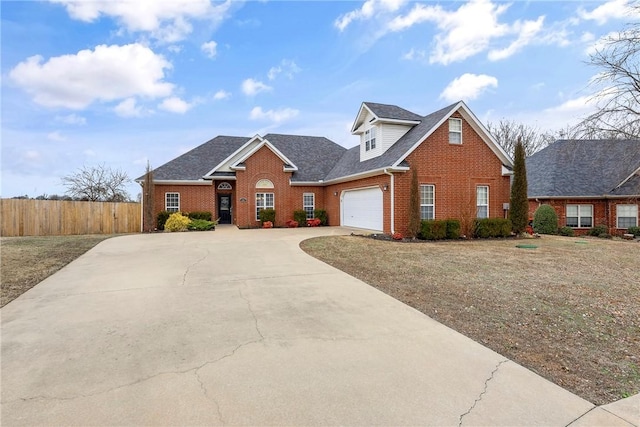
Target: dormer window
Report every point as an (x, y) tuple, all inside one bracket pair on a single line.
[(455, 131), (370, 139)]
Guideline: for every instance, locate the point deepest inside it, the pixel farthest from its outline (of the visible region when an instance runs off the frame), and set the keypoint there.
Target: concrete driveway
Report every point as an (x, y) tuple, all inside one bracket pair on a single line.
[(240, 327)]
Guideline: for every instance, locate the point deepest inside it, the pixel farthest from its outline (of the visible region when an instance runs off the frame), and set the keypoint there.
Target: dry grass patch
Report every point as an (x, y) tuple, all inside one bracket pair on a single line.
[(26, 261), (569, 310)]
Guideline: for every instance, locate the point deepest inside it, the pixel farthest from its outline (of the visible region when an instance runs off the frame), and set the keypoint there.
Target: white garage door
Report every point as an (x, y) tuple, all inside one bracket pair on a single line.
[(362, 208)]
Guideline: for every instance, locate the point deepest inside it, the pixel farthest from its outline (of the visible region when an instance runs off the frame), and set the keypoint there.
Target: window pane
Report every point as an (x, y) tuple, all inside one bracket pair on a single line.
[(572, 210), (482, 212), (627, 221), (586, 221), (269, 200), (455, 125), (572, 221), (426, 212), (426, 194), (455, 137), (627, 210), (483, 193), (586, 210)]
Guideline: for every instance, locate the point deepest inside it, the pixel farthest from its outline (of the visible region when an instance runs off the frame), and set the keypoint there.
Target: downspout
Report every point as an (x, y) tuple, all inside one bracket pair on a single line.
[(392, 201)]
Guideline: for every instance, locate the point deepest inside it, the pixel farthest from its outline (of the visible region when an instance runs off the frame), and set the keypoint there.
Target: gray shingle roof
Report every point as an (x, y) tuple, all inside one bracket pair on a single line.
[(584, 168), (350, 163), (313, 155), (386, 111), (194, 164), (317, 158)]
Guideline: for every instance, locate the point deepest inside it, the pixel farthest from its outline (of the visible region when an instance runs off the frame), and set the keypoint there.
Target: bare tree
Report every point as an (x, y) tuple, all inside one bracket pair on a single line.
[(617, 85), (507, 132), (97, 183)]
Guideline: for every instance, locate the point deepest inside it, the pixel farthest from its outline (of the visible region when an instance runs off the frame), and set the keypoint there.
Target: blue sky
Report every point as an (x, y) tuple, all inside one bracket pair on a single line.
[(119, 83)]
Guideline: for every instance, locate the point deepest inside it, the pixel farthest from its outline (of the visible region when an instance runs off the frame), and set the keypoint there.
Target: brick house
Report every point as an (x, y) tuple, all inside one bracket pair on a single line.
[(588, 182), (462, 172)]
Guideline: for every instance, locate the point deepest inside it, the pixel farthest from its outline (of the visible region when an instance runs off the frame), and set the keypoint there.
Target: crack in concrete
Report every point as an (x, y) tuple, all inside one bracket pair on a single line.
[(206, 395), (484, 391), (190, 266), (255, 318), (138, 381)]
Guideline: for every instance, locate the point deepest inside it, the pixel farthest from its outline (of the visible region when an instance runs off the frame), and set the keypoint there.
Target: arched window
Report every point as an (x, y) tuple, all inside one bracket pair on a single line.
[(224, 186), (264, 183)]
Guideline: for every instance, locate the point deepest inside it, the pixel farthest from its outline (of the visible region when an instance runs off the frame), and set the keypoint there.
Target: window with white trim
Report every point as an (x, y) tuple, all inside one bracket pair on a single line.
[(309, 204), (455, 131), (627, 216), (580, 216), (482, 201), (263, 201), (172, 202), (370, 139), (427, 202)]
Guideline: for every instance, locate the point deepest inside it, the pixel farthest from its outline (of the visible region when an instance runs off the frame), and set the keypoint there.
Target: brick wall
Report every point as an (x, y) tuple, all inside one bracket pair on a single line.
[(264, 164), (456, 171), (192, 197), (604, 211)]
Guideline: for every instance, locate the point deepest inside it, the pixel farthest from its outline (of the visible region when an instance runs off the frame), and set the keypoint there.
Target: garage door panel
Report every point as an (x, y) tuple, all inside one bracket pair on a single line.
[(363, 208)]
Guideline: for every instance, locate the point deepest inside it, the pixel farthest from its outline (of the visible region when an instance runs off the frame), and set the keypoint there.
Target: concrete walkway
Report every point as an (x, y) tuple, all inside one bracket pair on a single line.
[(243, 328)]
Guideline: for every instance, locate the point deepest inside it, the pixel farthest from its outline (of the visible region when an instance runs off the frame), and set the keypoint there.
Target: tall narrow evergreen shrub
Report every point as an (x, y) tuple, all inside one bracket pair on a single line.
[(414, 207), (519, 203)]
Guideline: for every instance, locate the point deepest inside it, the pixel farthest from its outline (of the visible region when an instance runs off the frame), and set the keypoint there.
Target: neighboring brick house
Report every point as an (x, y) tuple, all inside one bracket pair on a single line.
[(463, 173), (588, 182)]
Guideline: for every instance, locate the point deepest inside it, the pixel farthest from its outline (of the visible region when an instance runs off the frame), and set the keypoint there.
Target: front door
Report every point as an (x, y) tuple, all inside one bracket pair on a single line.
[(224, 208)]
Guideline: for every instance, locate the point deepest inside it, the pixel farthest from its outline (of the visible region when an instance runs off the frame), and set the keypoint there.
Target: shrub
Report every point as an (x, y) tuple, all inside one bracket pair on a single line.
[(267, 215), (634, 230), (492, 227), (201, 225), (177, 222), (321, 214), (200, 215), (315, 222), (566, 231), (453, 229), (432, 230), (545, 220), (163, 216), (300, 216), (598, 230)]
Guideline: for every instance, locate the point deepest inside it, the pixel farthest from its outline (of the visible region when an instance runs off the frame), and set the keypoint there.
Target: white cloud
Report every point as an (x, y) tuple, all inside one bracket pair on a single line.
[(209, 48), (72, 119), (128, 108), (32, 155), (369, 9), (174, 48), (613, 9), (175, 105), (106, 73), (468, 86), (167, 21), (252, 87), (414, 54), (526, 30), (274, 115), (573, 107), (221, 94), (287, 67), (601, 43), (56, 136), (468, 30)]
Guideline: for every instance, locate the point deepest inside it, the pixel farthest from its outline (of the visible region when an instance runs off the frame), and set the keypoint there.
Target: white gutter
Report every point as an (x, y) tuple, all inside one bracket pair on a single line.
[(392, 200)]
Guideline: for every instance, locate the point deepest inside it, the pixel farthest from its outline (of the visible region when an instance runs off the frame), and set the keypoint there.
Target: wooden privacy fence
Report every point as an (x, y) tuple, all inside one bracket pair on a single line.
[(22, 217)]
